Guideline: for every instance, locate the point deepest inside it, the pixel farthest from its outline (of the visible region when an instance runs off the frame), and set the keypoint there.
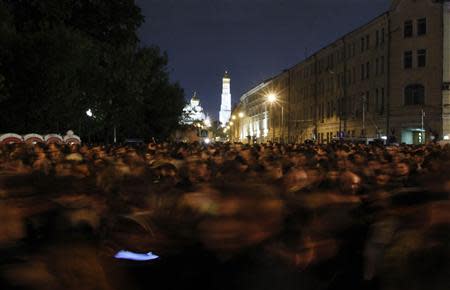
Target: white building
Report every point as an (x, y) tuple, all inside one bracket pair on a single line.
[(225, 108), (193, 112)]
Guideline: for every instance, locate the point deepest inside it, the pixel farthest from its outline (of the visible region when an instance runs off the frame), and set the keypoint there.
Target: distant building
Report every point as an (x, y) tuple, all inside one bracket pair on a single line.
[(225, 108), (388, 78), (193, 112)]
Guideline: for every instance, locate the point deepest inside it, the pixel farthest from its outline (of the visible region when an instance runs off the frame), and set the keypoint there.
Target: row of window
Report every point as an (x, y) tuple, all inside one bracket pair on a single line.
[(408, 58), (421, 27), (339, 80), (413, 95), (327, 63), (356, 105), (328, 137), (411, 27), (379, 40)]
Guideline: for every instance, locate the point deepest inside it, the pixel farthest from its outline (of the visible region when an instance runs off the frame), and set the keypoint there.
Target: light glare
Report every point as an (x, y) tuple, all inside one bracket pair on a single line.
[(272, 98), (127, 255)]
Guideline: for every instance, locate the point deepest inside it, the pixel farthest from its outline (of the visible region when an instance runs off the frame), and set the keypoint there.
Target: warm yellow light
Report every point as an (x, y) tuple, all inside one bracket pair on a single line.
[(241, 115), (231, 123), (271, 98), (207, 122), (233, 117)]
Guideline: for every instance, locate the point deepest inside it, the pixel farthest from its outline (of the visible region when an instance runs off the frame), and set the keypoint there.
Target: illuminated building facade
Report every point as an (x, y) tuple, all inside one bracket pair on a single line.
[(193, 112), (388, 78)]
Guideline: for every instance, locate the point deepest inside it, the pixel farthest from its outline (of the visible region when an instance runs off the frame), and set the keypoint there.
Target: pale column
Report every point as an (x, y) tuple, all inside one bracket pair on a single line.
[(225, 108)]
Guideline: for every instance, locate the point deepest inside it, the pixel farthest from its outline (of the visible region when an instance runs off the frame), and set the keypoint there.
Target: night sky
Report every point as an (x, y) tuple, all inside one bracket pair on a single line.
[(252, 39)]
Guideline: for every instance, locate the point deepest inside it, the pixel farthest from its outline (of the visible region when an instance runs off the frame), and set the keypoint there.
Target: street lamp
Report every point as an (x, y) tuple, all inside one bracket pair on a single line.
[(89, 113), (207, 122), (233, 117), (241, 115), (273, 99)]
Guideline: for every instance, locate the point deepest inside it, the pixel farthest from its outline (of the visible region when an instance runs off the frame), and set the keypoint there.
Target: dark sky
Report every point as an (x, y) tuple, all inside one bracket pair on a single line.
[(253, 39)]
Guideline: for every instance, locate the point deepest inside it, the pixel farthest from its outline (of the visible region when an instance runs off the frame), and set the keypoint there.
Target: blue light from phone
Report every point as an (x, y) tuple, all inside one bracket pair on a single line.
[(127, 255)]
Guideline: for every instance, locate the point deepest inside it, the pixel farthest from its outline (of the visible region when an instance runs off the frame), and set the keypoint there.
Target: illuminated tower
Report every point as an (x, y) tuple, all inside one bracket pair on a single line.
[(225, 108)]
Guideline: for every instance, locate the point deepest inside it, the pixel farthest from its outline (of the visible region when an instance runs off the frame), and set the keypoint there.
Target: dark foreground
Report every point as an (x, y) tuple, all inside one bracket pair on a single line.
[(225, 217)]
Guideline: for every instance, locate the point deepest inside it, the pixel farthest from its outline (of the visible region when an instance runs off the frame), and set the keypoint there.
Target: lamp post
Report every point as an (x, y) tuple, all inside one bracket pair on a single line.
[(90, 115), (273, 99)]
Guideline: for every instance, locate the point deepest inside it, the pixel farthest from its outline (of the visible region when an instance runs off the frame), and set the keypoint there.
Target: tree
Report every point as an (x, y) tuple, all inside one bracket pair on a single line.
[(60, 58)]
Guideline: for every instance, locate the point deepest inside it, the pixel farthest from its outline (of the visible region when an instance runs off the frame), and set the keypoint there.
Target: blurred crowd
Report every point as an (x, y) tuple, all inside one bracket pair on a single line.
[(225, 216)]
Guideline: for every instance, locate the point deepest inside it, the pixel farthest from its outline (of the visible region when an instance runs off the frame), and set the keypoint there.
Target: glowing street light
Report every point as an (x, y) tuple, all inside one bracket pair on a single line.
[(207, 122), (231, 123), (272, 98), (89, 113), (241, 115), (233, 117)]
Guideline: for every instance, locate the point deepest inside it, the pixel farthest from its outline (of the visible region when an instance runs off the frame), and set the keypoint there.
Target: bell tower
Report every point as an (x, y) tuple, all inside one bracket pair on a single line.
[(225, 108)]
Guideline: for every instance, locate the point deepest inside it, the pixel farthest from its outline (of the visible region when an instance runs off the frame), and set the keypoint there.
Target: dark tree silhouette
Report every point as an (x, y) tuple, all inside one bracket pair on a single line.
[(59, 58)]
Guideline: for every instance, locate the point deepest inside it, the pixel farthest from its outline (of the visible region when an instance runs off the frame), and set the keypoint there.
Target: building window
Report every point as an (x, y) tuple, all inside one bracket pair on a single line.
[(421, 57), (408, 29), (382, 35), (367, 41), (377, 38), (381, 109), (377, 100), (414, 95), (367, 100), (382, 65), (362, 72), (407, 59), (362, 44), (377, 65), (368, 70), (421, 26)]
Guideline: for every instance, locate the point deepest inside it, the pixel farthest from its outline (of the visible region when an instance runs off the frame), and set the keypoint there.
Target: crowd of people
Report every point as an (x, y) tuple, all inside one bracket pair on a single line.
[(225, 216)]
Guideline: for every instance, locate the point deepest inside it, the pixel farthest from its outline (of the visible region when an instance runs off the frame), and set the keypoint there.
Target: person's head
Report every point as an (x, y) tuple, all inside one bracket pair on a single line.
[(350, 183)]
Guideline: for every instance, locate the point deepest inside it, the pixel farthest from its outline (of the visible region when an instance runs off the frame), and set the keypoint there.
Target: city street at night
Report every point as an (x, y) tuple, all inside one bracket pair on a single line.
[(224, 144)]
